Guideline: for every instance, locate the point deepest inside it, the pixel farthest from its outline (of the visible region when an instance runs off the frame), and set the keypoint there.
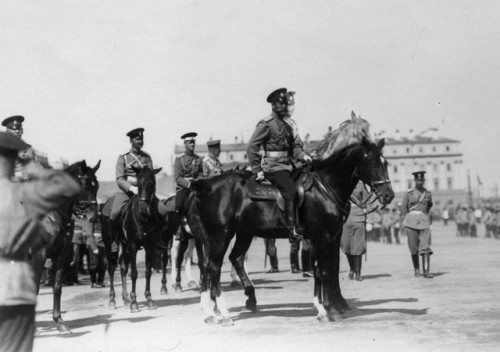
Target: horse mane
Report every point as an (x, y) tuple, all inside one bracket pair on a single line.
[(349, 134)]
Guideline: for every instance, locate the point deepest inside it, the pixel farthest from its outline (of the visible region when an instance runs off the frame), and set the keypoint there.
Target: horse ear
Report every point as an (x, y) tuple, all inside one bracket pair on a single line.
[(84, 164), (96, 167), (354, 118), (380, 144), (157, 170)]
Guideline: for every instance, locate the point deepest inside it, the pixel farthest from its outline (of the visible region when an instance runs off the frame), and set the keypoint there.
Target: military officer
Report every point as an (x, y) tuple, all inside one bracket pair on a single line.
[(211, 164), (278, 135), (126, 177), (415, 210), (14, 125), (187, 167)]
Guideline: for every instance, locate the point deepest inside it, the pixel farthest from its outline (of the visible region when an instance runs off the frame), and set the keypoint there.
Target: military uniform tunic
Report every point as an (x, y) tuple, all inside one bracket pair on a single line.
[(416, 219), (211, 166), (281, 142), (187, 167), (353, 241)]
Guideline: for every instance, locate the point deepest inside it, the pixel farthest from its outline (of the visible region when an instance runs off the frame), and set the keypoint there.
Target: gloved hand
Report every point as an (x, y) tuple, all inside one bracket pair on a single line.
[(307, 159), (260, 176), (134, 190)]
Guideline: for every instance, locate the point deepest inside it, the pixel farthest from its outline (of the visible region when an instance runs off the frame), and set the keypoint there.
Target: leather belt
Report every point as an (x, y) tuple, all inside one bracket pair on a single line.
[(276, 154)]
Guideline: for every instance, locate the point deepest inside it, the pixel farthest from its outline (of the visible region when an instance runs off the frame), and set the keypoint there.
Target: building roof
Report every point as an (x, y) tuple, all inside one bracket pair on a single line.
[(419, 140)]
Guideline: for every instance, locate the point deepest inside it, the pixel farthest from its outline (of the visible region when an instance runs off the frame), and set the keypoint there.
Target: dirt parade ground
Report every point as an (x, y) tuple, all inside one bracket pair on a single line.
[(457, 310)]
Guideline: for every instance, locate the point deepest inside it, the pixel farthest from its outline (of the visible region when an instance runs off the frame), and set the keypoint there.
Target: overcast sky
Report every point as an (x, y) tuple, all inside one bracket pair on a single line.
[(84, 73)]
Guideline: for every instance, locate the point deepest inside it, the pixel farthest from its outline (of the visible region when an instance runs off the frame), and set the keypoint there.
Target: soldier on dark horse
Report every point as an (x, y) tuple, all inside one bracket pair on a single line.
[(235, 204)]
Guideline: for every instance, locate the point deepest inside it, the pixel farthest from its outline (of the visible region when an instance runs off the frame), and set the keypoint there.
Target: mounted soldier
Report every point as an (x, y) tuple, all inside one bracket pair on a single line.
[(211, 164), (278, 135), (187, 168), (127, 167), (14, 125), (416, 207)]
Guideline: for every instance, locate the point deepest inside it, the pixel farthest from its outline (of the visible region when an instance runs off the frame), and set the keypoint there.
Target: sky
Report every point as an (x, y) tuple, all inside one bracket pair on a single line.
[(84, 73)]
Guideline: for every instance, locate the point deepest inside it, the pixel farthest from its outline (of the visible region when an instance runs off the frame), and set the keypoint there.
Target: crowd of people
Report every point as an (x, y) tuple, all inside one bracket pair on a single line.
[(468, 218)]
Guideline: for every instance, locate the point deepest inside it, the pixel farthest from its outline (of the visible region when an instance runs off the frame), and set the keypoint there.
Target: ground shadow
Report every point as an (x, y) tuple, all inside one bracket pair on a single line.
[(276, 310), (376, 276), (356, 302), (166, 302), (440, 273), (360, 312)]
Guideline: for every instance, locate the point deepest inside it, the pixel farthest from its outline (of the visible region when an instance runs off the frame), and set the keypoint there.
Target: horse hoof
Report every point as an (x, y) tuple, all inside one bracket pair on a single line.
[(177, 288), (251, 305), (226, 321), (163, 291), (112, 305), (126, 301), (336, 317), (322, 318), (152, 306), (211, 320), (192, 284), (62, 328), (134, 307)]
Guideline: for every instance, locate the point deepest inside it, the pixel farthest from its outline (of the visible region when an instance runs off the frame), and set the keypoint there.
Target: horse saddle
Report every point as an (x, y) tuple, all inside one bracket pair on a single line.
[(265, 191)]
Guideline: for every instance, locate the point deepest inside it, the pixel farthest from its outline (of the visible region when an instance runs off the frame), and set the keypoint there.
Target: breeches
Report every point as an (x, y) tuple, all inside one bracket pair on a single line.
[(284, 183), (119, 202), (353, 241), (17, 328), (419, 241), (180, 198)]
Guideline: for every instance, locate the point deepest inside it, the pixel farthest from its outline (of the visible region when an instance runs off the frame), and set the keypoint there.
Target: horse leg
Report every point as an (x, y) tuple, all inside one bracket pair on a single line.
[(57, 291), (134, 306), (150, 254), (341, 302), (188, 266), (112, 263), (318, 297), (176, 269), (164, 263), (237, 258), (179, 260), (124, 261), (326, 265)]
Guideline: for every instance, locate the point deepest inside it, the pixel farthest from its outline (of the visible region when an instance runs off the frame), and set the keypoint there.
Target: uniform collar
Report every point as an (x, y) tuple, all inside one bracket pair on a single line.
[(188, 152), (135, 151)]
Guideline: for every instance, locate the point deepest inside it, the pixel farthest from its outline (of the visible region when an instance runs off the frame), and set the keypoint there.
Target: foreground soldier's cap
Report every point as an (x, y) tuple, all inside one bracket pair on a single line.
[(14, 122), (419, 175), (11, 142), (190, 136), (213, 143), (136, 132), (277, 95)]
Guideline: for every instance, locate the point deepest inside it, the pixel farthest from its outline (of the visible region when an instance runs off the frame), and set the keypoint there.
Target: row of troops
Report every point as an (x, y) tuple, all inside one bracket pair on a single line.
[(467, 221)]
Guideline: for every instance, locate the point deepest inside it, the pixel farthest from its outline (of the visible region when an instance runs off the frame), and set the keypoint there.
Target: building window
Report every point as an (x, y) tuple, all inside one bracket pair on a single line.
[(231, 156), (395, 169), (433, 149), (420, 150), (449, 182), (394, 151), (448, 167), (245, 156), (447, 148), (435, 168), (408, 150), (436, 184)]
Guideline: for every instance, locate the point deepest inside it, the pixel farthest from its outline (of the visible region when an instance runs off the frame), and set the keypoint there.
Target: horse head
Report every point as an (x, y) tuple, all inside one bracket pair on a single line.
[(146, 183), (86, 206), (372, 170)]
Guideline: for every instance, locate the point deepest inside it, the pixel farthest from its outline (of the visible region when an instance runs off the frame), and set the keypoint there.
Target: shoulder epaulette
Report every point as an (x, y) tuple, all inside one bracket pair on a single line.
[(268, 118), (127, 153), (411, 189), (145, 153)]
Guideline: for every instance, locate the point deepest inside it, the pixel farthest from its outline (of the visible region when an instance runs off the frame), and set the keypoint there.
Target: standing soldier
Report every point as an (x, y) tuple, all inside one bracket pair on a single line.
[(417, 221), (126, 177), (353, 241), (396, 223), (488, 221), (211, 164), (14, 125), (187, 167), (278, 135), (22, 208)]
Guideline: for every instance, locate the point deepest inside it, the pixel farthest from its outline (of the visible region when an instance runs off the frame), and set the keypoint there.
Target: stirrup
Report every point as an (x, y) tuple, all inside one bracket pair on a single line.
[(294, 235)]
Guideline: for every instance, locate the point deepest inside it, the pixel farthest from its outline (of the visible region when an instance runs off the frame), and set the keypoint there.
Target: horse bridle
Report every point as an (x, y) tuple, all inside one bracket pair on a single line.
[(82, 205)]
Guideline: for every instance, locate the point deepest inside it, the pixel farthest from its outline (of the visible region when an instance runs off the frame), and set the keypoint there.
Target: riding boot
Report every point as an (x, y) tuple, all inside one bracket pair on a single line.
[(350, 259), (294, 263), (358, 260), (306, 263), (114, 226), (274, 264), (416, 266), (179, 234), (426, 258), (294, 230)]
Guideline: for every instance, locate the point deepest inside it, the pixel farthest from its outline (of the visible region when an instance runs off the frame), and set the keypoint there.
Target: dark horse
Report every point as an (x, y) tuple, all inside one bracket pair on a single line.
[(221, 208), (60, 224), (140, 226)]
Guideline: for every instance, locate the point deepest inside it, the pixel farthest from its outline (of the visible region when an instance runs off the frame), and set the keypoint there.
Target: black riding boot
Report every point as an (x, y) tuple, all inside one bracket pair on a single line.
[(416, 264), (274, 264), (294, 263), (179, 234), (350, 259), (114, 229), (426, 263), (306, 263), (294, 230), (357, 260)]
